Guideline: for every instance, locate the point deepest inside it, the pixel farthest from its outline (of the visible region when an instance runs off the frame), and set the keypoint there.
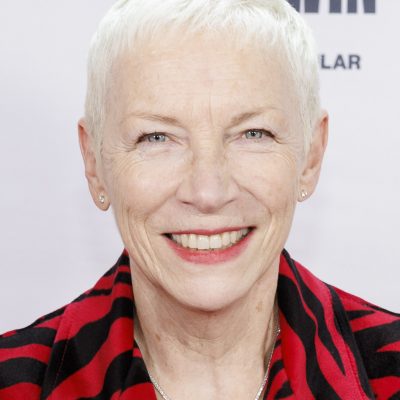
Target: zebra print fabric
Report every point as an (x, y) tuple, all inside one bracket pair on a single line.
[(332, 346)]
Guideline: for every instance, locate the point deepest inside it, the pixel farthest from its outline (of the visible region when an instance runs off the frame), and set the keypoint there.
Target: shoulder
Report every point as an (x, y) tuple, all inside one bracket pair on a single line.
[(365, 314), (377, 334), (24, 356), (376, 330), (35, 359), (369, 335)]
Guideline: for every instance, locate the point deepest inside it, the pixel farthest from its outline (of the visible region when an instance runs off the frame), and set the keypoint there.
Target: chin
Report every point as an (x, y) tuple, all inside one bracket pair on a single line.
[(210, 297)]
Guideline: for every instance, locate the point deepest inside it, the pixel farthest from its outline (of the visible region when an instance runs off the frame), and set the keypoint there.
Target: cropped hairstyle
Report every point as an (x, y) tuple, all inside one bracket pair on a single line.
[(130, 23)]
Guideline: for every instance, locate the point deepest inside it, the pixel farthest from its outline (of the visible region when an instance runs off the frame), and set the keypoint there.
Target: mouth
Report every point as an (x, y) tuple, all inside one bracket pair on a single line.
[(213, 242), (209, 247)]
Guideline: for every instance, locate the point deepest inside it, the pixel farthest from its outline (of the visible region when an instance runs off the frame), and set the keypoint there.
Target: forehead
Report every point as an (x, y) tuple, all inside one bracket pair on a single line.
[(203, 74)]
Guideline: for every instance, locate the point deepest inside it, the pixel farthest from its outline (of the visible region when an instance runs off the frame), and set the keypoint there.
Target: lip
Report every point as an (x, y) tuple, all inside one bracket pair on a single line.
[(209, 257)]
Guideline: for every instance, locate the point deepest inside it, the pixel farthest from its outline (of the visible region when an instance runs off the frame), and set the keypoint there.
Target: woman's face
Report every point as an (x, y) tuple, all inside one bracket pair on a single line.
[(203, 139)]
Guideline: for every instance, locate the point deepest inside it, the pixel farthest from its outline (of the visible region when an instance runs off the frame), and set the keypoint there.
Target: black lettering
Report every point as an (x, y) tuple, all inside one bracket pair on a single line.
[(335, 6), (323, 65), (295, 4), (339, 62), (312, 6), (354, 61), (370, 6), (352, 6)]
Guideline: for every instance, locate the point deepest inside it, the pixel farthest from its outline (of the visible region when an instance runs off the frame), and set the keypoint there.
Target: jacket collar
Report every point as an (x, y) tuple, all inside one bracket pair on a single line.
[(319, 351), (94, 348)]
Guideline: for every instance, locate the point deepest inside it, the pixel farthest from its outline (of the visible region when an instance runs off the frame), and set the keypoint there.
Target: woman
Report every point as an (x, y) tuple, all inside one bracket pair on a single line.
[(203, 130)]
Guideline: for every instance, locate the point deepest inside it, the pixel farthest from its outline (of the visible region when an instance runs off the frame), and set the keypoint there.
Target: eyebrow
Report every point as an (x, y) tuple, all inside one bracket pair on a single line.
[(236, 120), (153, 117)]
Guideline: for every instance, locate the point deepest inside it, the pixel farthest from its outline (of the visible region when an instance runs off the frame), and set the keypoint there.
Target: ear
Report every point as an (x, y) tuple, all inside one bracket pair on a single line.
[(92, 171), (313, 161)]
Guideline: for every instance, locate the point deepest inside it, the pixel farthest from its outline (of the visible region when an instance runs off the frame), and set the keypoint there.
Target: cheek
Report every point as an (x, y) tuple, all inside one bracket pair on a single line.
[(140, 185), (271, 178)]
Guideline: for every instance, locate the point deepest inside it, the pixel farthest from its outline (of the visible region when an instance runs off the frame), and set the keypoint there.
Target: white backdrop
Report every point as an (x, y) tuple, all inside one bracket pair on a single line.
[(54, 243)]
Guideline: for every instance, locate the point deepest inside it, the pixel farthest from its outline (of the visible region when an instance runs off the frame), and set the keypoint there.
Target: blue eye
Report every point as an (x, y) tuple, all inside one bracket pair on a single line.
[(153, 137), (257, 134)]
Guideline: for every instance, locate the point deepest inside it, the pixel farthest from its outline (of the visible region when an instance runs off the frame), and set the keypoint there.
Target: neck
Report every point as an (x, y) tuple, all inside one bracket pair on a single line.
[(226, 347)]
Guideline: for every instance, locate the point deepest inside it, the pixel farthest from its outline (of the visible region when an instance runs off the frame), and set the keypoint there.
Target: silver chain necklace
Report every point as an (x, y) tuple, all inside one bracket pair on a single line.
[(260, 390)]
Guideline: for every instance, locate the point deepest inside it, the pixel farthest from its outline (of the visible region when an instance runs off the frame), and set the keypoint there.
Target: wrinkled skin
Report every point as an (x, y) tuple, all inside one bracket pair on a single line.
[(206, 170)]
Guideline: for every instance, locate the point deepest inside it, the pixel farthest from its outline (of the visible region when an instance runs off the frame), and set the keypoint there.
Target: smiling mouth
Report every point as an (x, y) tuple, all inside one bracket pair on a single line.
[(220, 241)]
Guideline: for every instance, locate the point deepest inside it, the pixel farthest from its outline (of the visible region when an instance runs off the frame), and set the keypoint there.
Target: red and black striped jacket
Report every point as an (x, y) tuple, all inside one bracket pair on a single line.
[(332, 346)]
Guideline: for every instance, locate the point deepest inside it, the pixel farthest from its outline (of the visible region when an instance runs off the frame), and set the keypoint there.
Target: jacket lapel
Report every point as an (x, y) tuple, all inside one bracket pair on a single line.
[(93, 355), (318, 348)]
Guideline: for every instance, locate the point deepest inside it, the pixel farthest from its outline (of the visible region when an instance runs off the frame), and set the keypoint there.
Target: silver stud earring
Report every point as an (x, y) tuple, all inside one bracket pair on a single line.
[(102, 198), (304, 194)]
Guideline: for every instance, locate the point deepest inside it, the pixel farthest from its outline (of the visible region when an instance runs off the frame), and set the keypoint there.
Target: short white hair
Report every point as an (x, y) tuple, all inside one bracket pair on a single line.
[(129, 23)]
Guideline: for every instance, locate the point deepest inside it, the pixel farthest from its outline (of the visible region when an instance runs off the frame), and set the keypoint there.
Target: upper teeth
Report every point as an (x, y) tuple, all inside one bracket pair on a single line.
[(204, 242)]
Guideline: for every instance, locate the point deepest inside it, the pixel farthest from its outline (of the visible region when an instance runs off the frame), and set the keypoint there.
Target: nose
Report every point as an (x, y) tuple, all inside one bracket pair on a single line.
[(208, 184)]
